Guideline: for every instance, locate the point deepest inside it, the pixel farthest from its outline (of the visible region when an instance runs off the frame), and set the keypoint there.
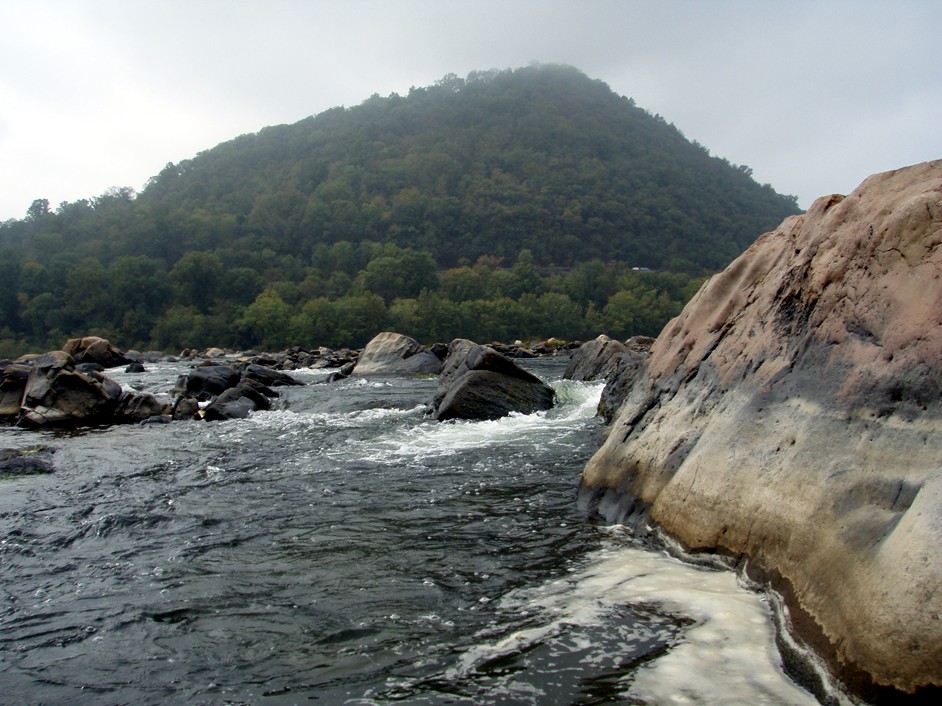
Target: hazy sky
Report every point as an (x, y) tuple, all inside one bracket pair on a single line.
[(814, 95)]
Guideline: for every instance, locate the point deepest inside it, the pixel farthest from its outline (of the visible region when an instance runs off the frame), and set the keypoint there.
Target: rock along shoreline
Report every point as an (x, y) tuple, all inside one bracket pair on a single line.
[(791, 418)]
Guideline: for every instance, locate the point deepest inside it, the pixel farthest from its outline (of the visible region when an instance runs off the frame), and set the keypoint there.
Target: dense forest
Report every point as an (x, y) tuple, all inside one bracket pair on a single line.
[(508, 204)]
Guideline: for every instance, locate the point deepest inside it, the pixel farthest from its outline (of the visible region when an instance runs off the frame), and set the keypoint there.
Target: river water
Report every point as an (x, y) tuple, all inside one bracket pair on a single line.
[(342, 548)]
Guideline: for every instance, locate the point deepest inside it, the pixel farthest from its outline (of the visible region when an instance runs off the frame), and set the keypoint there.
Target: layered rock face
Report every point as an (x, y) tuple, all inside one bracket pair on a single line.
[(792, 415)]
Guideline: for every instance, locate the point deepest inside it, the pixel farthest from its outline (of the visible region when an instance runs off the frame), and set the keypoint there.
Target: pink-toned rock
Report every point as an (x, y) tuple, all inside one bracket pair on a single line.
[(792, 415)]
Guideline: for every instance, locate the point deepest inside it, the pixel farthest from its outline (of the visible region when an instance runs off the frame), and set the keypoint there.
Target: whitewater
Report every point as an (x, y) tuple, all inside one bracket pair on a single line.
[(344, 548)]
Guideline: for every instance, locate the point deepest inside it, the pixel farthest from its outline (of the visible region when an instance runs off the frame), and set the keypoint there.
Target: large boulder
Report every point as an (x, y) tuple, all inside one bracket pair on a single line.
[(613, 361), (792, 416), (394, 354), (477, 382), (92, 349), (595, 360), (13, 379), (58, 395)]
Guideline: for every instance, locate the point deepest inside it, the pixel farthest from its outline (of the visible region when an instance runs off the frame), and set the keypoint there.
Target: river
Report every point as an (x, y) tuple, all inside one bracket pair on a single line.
[(342, 548)]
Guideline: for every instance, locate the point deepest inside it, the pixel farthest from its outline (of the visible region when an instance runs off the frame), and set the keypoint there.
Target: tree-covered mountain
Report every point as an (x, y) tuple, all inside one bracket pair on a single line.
[(438, 192)]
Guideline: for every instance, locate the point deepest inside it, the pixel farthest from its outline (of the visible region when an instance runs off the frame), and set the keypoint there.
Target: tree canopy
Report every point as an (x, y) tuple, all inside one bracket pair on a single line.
[(510, 188)]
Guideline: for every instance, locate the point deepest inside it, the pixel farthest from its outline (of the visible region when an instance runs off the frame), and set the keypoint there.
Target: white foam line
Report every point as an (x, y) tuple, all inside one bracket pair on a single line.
[(578, 402), (728, 656)]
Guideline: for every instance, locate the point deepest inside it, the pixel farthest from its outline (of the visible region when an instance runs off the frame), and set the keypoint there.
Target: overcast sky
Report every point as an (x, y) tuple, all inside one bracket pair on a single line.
[(814, 95)]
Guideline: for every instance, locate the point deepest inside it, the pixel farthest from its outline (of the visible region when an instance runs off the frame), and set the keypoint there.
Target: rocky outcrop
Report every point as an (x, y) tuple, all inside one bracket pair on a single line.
[(50, 390), (394, 354), (13, 379), (58, 395), (92, 349), (477, 382), (618, 383), (233, 391), (792, 416)]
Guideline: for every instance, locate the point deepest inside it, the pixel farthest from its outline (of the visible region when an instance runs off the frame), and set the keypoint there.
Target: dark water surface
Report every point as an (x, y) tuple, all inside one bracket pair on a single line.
[(343, 548)]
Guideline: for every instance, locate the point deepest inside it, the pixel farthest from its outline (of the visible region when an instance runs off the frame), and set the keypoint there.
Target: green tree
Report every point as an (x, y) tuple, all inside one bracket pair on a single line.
[(196, 278), (358, 318), (526, 279), (399, 273), (86, 298), (37, 209), (267, 320), (462, 284), (181, 327), (140, 292)]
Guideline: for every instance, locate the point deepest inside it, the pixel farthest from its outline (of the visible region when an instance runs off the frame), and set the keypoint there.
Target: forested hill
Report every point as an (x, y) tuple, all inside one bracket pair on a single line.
[(542, 159)]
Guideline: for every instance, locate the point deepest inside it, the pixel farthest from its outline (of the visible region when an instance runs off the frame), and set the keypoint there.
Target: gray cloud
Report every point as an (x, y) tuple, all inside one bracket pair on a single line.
[(814, 96)]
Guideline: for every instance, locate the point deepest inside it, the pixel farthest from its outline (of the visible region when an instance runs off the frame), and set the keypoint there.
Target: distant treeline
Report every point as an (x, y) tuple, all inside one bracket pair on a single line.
[(354, 292), (501, 205)]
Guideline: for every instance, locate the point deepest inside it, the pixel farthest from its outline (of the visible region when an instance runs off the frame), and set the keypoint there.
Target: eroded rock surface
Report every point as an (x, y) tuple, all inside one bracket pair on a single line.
[(792, 414)]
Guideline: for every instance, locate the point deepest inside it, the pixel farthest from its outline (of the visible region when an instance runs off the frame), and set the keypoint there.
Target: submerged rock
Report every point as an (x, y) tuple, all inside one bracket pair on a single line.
[(269, 377), (477, 382), (792, 415), (236, 403), (32, 460), (138, 407), (394, 354)]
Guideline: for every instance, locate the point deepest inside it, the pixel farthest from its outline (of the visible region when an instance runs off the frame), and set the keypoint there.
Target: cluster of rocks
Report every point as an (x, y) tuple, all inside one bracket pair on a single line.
[(53, 389), (295, 358), (538, 349), (233, 391), (475, 381), (69, 387)]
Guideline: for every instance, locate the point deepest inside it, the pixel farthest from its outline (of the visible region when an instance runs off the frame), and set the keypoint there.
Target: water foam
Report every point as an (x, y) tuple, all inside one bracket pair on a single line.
[(727, 655), (576, 403)]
